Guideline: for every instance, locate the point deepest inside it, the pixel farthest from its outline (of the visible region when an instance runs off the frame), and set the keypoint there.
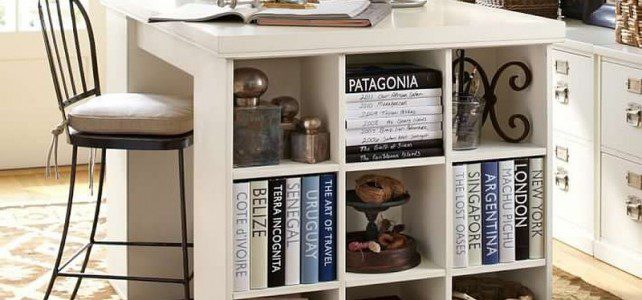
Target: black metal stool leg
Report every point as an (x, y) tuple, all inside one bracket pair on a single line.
[(92, 236), (184, 246), (65, 228)]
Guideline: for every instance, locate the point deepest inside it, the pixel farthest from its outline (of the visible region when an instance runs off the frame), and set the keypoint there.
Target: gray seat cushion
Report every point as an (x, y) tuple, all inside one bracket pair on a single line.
[(136, 114)]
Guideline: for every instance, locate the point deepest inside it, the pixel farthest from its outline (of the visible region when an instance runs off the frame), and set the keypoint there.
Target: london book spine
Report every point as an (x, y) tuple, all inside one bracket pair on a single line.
[(393, 95), (293, 231), (490, 213), (328, 227), (398, 154), (310, 230), (474, 194), (352, 124), (398, 103), (536, 208), (394, 146), (241, 236), (460, 257), (521, 209), (259, 235), (276, 232), (506, 211)]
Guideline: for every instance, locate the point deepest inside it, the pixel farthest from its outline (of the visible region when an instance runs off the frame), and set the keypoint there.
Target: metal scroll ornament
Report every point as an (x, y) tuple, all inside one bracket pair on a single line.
[(491, 98)]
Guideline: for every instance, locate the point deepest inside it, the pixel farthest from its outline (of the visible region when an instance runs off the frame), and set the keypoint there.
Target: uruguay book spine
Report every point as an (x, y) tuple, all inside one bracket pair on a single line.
[(293, 231), (460, 258), (310, 230), (394, 121), (276, 230), (536, 208), (259, 231), (490, 213), (521, 209), (241, 236), (506, 211), (328, 221), (393, 95), (474, 193)]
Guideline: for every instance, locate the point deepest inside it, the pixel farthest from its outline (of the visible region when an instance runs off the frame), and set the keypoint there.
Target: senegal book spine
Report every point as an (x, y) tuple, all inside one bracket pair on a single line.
[(293, 231)]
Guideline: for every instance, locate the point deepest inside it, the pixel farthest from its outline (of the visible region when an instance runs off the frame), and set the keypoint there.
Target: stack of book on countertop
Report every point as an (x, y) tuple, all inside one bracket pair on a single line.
[(325, 13), (498, 212), (393, 111), (285, 231)]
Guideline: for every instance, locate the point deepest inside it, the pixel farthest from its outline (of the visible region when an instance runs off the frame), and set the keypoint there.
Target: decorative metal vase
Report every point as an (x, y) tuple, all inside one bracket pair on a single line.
[(309, 144), (257, 125), (289, 111)]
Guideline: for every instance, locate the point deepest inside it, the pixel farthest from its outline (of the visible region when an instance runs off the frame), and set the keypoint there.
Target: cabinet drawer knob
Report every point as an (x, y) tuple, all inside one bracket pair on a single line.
[(634, 85), (561, 93), (634, 115), (634, 180), (561, 67), (561, 179), (634, 208), (561, 153)]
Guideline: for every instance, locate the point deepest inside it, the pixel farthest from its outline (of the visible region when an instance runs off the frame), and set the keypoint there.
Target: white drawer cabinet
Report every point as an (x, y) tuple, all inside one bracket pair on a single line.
[(574, 98), (621, 109)]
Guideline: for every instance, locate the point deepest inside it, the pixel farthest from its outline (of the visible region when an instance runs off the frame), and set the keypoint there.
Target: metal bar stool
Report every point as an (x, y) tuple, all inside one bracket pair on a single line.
[(112, 121)]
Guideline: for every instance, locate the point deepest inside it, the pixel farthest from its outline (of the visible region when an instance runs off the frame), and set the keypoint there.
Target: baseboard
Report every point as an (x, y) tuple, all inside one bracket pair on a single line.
[(573, 235), (627, 261)]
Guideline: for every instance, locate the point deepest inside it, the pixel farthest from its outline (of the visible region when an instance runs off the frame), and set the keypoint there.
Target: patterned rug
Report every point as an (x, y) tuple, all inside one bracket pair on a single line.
[(568, 286)]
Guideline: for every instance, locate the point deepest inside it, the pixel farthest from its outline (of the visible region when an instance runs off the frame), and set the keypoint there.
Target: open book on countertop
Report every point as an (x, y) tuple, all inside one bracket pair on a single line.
[(339, 13)]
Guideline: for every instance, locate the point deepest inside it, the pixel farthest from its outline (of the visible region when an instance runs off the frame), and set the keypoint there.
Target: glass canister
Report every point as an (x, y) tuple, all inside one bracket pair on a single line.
[(468, 115)]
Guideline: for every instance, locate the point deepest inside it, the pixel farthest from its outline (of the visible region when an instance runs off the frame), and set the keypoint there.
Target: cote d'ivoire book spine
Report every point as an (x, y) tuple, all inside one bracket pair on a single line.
[(536, 221), (241, 236), (310, 230), (490, 213), (506, 211), (259, 233), (327, 232), (293, 231), (276, 231), (399, 103), (474, 195), (396, 154), (394, 121), (521, 209), (384, 147), (393, 95), (460, 239)]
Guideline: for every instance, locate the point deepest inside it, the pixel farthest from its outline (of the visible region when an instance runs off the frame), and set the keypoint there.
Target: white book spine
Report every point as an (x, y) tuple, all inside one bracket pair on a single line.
[(537, 209), (396, 129), (460, 257), (506, 211), (259, 232), (391, 95), (359, 139), (241, 236), (474, 190), (398, 103), (293, 231), (393, 112), (394, 121)]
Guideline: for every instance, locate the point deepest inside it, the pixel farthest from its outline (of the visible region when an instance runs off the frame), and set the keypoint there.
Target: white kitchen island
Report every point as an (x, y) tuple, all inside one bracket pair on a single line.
[(198, 59)]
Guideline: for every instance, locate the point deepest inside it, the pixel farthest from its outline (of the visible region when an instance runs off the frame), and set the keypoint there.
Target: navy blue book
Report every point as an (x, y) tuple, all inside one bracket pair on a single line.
[(327, 232), (490, 213), (276, 230), (310, 229)]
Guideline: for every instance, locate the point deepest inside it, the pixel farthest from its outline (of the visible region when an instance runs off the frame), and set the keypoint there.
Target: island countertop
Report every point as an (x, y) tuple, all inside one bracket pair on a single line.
[(439, 24)]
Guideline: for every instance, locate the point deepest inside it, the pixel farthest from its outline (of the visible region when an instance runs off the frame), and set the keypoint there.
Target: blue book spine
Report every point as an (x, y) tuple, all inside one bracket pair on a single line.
[(327, 232), (490, 213), (310, 230)]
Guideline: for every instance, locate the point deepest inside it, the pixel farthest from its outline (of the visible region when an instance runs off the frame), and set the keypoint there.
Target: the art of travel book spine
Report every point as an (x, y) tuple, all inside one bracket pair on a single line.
[(398, 103), (393, 95), (460, 257), (328, 227), (310, 230), (276, 232), (474, 194), (394, 121), (393, 112), (506, 211), (536, 208), (490, 213), (259, 233), (376, 79), (522, 183), (293, 231), (241, 236), (359, 139), (423, 144), (397, 154), (395, 129)]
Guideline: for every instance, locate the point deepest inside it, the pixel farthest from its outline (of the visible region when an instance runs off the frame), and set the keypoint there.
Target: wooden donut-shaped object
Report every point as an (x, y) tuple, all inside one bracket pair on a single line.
[(378, 189)]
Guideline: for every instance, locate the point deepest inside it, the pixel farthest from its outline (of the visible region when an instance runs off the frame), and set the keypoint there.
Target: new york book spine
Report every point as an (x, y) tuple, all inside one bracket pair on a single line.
[(392, 81), (393, 95), (293, 231), (241, 236), (460, 257), (259, 235), (423, 144), (506, 211), (536, 208), (397, 103), (394, 121), (328, 220), (310, 230), (396, 129), (522, 183), (398, 154), (474, 193), (359, 139), (490, 213), (393, 112), (276, 232)]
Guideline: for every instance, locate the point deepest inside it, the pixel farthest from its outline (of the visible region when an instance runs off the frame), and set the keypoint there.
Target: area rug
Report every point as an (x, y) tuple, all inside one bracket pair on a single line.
[(568, 286)]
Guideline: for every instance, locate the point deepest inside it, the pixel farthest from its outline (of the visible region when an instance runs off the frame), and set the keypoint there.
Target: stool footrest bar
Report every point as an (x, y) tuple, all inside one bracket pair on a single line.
[(120, 277)]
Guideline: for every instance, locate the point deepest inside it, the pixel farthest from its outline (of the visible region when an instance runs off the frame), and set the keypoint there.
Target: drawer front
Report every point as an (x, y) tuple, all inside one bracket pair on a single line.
[(573, 95), (621, 109), (621, 223), (574, 182)]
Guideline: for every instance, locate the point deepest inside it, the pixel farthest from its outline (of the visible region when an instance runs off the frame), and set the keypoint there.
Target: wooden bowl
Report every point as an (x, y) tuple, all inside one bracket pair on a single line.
[(386, 261)]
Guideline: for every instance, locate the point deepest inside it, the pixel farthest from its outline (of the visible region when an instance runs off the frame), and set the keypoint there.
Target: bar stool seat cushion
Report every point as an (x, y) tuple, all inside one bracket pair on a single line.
[(133, 114)]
